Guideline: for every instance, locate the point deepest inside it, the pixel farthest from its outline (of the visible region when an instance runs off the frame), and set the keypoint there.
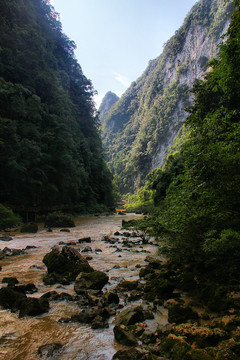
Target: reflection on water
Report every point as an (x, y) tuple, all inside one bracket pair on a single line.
[(20, 338)]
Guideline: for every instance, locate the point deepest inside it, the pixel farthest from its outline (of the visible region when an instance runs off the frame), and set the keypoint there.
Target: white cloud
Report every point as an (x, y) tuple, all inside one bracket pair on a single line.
[(122, 79), (52, 2)]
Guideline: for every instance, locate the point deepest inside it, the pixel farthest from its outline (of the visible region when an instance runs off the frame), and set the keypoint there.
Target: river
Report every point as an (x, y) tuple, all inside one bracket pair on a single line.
[(21, 338)]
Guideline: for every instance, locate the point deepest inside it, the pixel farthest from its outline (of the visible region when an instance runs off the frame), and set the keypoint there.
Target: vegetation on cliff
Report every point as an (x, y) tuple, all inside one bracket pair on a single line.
[(107, 103), (140, 128), (50, 147)]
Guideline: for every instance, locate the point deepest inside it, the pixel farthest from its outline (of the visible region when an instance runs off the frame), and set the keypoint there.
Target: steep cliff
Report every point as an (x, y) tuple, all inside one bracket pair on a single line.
[(107, 102), (142, 125)]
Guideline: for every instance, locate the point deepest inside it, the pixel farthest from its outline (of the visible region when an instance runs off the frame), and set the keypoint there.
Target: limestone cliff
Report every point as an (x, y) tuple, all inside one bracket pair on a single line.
[(142, 125)]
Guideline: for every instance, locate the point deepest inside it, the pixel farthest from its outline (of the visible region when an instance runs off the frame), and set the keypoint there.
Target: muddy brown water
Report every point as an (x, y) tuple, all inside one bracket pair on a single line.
[(21, 338)]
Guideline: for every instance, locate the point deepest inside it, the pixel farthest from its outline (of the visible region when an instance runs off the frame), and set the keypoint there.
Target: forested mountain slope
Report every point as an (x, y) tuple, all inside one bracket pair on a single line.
[(107, 103), (144, 122), (50, 147)]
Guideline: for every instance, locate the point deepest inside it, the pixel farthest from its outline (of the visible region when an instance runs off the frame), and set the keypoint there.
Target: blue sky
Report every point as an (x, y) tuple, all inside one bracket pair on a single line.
[(116, 38)]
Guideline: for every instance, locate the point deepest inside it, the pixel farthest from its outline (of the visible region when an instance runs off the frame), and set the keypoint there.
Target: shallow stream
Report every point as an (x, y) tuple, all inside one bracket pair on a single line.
[(21, 338)]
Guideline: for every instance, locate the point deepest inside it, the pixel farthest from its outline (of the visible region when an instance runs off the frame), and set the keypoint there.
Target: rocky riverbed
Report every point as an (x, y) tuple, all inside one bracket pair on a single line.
[(119, 257), (97, 291)]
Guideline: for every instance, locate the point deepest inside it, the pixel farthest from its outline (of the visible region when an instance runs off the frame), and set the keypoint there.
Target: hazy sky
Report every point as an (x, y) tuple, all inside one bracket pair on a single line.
[(116, 38)]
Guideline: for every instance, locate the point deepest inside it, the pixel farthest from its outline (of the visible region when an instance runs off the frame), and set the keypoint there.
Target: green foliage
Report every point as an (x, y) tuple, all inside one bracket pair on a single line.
[(7, 218), (140, 202), (198, 205), (148, 116), (50, 147), (29, 228), (58, 219)]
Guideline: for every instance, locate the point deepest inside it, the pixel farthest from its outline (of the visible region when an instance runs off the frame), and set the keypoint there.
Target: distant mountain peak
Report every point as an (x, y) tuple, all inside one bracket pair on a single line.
[(107, 103)]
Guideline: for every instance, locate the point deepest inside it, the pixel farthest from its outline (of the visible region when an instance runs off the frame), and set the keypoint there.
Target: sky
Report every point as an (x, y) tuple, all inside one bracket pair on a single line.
[(116, 38)]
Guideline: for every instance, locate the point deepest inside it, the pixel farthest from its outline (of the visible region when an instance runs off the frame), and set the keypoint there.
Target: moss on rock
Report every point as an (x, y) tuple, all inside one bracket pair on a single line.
[(93, 280)]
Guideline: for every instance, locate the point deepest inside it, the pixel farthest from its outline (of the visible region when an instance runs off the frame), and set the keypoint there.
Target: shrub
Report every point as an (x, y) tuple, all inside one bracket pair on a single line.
[(7, 218), (58, 219)]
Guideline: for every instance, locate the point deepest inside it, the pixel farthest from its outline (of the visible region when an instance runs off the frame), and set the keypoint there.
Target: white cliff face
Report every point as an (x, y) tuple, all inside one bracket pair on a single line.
[(161, 153), (190, 65)]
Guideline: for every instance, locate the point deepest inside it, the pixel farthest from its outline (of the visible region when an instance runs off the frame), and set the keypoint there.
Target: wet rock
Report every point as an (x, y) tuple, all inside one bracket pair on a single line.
[(55, 296), (49, 350), (111, 297), (148, 337), (10, 281), (5, 238), (49, 230), (16, 301), (87, 249), (65, 230), (117, 250), (109, 240), (29, 228), (135, 295), (86, 316), (12, 252), (36, 267), (128, 285), (94, 280), (64, 266), (64, 320), (117, 233), (88, 258), (129, 354), (130, 316), (85, 239), (98, 250), (51, 295), (30, 247), (99, 323), (26, 289), (180, 314), (33, 307), (10, 299), (95, 300), (124, 336), (116, 267), (64, 243)]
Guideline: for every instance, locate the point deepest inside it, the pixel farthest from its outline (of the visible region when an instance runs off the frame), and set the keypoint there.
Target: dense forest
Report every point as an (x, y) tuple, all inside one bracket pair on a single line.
[(195, 197), (142, 125), (50, 147)]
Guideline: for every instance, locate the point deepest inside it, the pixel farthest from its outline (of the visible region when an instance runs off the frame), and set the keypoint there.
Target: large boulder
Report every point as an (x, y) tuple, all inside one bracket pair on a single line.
[(33, 307), (130, 316), (124, 336), (90, 281), (27, 306), (64, 265)]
